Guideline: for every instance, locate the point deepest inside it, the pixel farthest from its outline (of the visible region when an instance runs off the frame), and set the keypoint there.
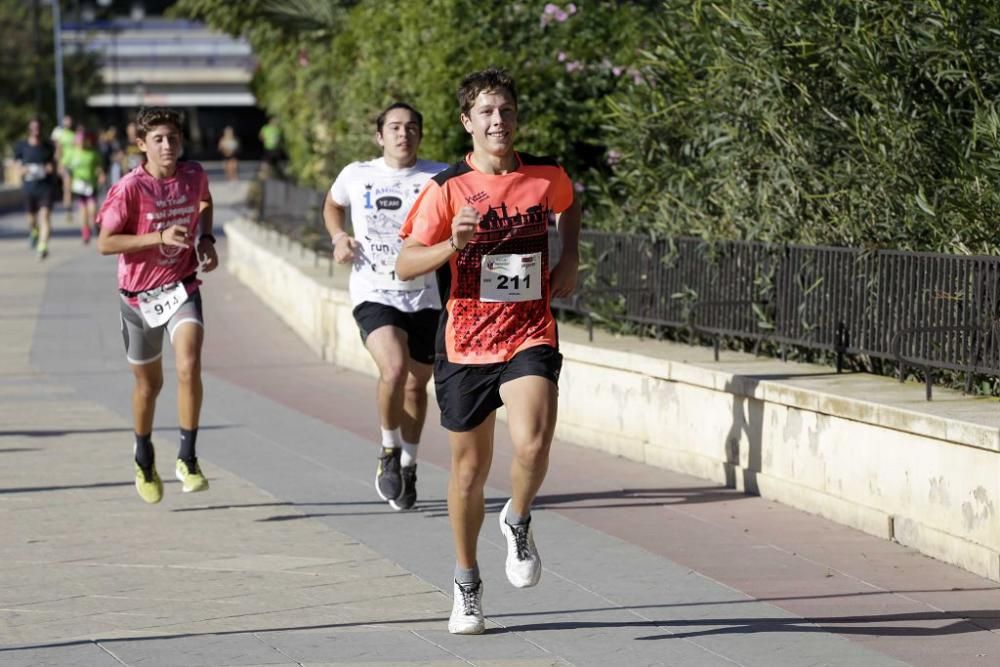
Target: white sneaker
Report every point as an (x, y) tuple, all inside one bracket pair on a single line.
[(467, 610), (524, 565)]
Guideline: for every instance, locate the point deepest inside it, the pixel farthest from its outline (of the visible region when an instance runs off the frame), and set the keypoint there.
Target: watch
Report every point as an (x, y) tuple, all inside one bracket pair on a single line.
[(207, 237)]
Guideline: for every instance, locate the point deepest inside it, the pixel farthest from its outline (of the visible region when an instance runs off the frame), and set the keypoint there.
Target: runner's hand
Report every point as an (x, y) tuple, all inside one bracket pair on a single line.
[(176, 235), (207, 255), (463, 225), (343, 250)]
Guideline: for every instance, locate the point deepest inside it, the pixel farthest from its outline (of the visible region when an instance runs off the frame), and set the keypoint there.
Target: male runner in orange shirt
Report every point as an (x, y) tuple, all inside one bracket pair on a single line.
[(482, 225)]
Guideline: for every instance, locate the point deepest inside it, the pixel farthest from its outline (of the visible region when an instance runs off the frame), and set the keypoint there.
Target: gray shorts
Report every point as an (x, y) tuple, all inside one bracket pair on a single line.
[(144, 344)]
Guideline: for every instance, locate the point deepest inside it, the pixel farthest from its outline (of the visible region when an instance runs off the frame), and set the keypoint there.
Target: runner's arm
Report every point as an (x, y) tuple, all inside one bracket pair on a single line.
[(206, 241), (334, 217), (416, 259), (206, 215), (114, 243), (562, 280), (568, 226)]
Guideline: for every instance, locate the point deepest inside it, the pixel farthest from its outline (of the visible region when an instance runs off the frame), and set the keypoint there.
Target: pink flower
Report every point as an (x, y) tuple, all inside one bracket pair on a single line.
[(614, 156), (573, 66), (561, 56), (571, 8), (551, 9), (616, 70), (560, 15), (579, 187)]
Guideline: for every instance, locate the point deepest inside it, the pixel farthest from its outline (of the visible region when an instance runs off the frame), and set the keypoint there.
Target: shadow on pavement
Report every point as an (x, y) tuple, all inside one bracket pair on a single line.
[(57, 433), (36, 489), (870, 625)]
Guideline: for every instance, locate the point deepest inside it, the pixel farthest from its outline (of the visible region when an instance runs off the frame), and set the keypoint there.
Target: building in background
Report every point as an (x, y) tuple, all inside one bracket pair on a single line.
[(150, 59)]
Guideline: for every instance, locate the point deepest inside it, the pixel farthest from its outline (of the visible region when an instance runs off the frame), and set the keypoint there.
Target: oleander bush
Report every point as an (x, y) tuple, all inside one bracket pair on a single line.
[(847, 122)]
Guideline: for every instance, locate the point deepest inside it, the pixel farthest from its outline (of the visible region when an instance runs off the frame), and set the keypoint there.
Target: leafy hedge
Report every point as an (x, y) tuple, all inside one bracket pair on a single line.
[(327, 69), (848, 122), (859, 123)]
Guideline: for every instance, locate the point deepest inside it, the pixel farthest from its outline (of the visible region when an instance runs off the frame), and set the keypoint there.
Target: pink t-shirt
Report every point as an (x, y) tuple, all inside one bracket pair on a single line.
[(139, 204)]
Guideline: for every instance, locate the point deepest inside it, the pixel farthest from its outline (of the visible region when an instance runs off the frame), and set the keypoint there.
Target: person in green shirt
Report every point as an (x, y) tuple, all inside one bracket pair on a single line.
[(63, 137), (270, 137), (84, 162)]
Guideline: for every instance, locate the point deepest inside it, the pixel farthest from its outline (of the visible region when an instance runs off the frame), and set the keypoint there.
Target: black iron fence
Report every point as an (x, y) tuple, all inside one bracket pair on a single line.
[(923, 311)]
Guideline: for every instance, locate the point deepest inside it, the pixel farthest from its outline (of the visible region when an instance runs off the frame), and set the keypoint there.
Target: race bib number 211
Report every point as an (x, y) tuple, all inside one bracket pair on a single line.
[(506, 278)]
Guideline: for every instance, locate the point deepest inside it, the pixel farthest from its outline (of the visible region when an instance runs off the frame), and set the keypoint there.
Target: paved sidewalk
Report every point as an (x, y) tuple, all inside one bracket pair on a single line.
[(290, 559)]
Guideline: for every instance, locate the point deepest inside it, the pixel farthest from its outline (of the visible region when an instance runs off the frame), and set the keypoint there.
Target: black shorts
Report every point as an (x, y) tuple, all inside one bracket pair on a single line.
[(468, 393), (37, 198), (420, 327)]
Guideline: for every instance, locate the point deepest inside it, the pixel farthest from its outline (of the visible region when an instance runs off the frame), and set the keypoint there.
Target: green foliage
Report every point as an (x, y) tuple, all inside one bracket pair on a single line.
[(27, 72), (847, 122), (326, 83)]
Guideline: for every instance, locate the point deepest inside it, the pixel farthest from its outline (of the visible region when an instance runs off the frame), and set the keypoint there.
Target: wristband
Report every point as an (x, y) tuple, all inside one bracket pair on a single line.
[(454, 246), (161, 237), (207, 237), (337, 237)]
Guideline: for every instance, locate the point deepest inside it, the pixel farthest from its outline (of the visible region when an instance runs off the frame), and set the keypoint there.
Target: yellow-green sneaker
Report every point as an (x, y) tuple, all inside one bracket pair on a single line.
[(191, 477), (148, 484)]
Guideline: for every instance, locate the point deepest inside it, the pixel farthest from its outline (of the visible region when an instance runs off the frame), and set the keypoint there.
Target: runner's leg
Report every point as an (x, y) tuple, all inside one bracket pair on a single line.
[(44, 226), (471, 456), (187, 337), (415, 401), (531, 402), (187, 340), (148, 382), (387, 346)]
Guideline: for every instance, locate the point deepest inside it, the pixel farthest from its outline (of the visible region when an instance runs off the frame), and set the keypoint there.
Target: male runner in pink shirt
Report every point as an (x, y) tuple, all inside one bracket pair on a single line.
[(158, 220)]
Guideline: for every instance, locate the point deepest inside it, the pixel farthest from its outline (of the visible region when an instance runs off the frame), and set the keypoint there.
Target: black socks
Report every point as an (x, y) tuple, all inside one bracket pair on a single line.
[(144, 450), (186, 452)]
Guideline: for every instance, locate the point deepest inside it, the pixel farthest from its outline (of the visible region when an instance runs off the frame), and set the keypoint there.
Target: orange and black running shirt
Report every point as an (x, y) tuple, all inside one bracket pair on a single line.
[(496, 290)]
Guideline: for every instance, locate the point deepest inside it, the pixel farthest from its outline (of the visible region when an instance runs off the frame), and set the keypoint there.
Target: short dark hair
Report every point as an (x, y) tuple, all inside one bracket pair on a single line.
[(491, 78), (380, 121), (150, 117)]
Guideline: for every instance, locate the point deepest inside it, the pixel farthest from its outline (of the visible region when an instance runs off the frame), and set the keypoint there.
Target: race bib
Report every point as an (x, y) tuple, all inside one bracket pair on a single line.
[(34, 172), (158, 305), (511, 277), (383, 271), (82, 187), (386, 280)]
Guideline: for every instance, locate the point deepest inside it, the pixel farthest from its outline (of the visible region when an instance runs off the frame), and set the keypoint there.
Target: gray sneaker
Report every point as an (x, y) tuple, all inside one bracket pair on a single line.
[(408, 496), (387, 479)]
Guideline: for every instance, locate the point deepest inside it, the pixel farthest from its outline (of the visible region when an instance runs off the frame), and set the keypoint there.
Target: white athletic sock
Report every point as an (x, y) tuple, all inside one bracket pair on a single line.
[(390, 438), (409, 456)]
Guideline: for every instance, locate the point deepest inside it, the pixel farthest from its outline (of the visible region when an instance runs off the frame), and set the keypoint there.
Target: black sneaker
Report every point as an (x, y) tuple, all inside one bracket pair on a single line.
[(408, 497), (388, 482)]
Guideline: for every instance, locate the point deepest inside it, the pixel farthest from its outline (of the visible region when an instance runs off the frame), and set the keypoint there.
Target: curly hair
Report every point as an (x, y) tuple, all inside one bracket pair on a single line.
[(150, 117), (490, 79)]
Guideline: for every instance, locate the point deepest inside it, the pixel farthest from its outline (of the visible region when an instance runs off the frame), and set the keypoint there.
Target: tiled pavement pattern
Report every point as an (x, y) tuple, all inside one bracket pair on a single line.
[(290, 559)]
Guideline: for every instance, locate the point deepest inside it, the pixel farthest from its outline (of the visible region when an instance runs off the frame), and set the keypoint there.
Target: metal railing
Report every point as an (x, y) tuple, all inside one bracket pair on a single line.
[(926, 311)]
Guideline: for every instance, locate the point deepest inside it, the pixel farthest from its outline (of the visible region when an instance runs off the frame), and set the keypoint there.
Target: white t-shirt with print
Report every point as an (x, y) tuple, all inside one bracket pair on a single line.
[(379, 198)]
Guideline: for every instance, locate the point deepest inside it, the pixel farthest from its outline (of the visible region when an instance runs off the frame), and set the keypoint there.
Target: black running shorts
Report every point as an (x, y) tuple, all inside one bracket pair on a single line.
[(468, 393), (420, 327)]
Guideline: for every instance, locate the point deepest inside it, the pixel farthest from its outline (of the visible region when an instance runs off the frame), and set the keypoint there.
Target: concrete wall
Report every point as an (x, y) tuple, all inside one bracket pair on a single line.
[(861, 450), (11, 197)]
